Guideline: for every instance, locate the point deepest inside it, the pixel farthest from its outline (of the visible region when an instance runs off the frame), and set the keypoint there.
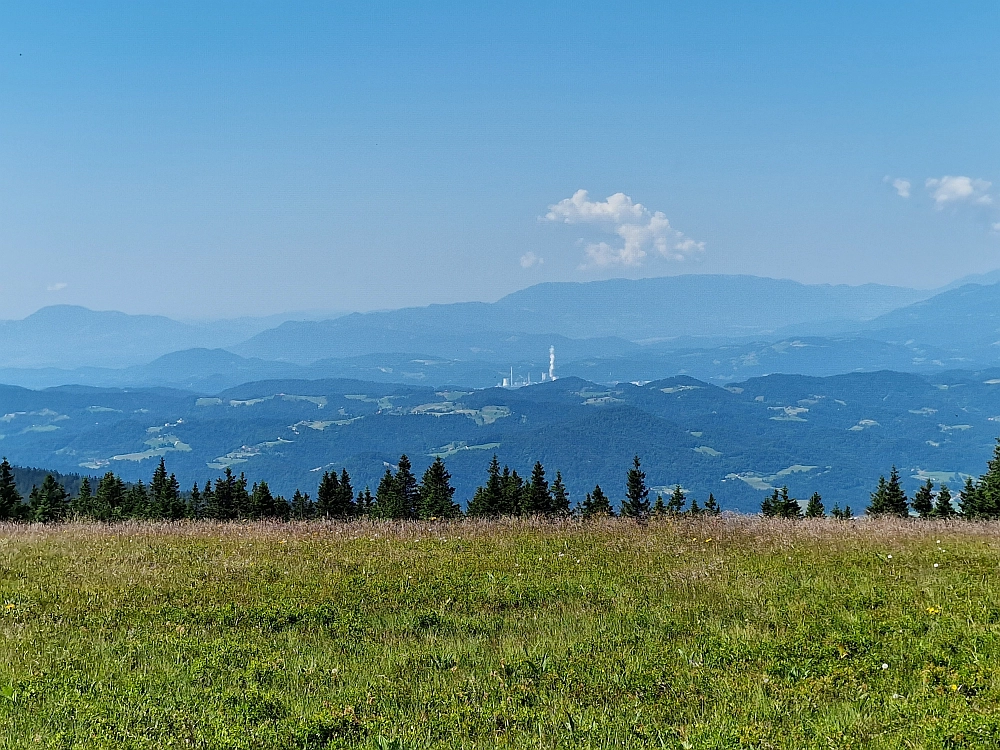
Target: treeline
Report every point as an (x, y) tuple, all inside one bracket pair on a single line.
[(399, 495), (977, 500)]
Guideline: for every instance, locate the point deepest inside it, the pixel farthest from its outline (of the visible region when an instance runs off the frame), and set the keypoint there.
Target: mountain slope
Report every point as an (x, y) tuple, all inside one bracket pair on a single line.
[(605, 313)]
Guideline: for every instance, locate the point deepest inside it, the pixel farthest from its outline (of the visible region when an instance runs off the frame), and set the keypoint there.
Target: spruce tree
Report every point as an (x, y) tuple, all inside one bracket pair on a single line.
[(712, 506), (836, 512), (596, 504), (847, 513), (10, 498), (406, 483), (675, 505), (137, 502), (262, 502), (303, 508), (346, 507), (942, 504), (536, 499), (327, 494), (165, 495), (896, 500), (988, 487), (365, 503), (695, 509), (436, 493), (968, 500), (923, 500), (109, 499), (879, 505), (48, 502), (387, 500), (511, 493), (81, 506), (785, 506), (194, 508), (487, 500), (560, 497), (814, 508), (768, 506), (636, 503), (659, 509)]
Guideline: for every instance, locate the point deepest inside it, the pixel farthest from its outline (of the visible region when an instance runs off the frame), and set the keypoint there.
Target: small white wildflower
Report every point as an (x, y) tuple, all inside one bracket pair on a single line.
[(884, 665), (888, 557), (935, 565)]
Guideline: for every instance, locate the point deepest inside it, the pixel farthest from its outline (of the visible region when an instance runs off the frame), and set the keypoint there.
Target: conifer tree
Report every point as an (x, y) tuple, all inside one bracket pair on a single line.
[(436, 493), (303, 508), (988, 487), (896, 500), (81, 506), (536, 499), (48, 502), (10, 498), (659, 509), (388, 503), (695, 509), (327, 495), (814, 508), (942, 504), (836, 512), (165, 495), (488, 499), (137, 501), (712, 506), (675, 505), (879, 505), (195, 507), (785, 506), (335, 497), (560, 497), (222, 503), (109, 499), (768, 506), (511, 493), (923, 500), (969, 500), (262, 502), (596, 504), (406, 483), (847, 513), (346, 506), (365, 503), (636, 503)]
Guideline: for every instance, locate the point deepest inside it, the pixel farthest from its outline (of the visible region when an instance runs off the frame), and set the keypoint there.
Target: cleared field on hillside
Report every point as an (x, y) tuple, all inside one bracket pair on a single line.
[(714, 633)]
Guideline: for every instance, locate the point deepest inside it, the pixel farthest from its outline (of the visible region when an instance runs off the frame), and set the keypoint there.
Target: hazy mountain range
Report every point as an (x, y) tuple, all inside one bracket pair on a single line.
[(681, 370), (717, 328)]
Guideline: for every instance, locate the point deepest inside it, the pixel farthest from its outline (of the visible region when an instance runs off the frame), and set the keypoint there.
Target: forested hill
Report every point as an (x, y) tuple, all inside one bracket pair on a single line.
[(834, 435)]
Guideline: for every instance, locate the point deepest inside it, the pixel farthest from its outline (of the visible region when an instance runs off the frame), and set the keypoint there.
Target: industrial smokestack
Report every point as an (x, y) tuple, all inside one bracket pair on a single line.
[(552, 363)]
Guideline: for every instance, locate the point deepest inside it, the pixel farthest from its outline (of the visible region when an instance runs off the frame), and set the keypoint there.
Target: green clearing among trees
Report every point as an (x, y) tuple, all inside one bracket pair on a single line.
[(680, 632)]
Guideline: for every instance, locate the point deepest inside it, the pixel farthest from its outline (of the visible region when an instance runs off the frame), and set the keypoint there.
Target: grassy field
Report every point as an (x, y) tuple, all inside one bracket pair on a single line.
[(717, 633)]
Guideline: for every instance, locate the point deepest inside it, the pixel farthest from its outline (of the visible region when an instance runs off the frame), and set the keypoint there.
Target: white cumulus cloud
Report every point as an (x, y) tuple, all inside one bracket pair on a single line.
[(57, 287), (959, 189), (901, 186), (529, 259), (639, 230)]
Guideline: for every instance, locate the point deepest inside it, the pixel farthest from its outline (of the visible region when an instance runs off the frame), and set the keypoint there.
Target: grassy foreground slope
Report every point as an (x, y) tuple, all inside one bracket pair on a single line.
[(714, 633)]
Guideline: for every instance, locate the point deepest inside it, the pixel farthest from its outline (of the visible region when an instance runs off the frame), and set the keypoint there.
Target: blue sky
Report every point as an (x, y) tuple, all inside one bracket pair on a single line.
[(216, 159)]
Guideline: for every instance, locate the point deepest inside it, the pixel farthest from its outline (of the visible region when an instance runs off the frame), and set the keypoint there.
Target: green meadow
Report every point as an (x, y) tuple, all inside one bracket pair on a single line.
[(706, 633)]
